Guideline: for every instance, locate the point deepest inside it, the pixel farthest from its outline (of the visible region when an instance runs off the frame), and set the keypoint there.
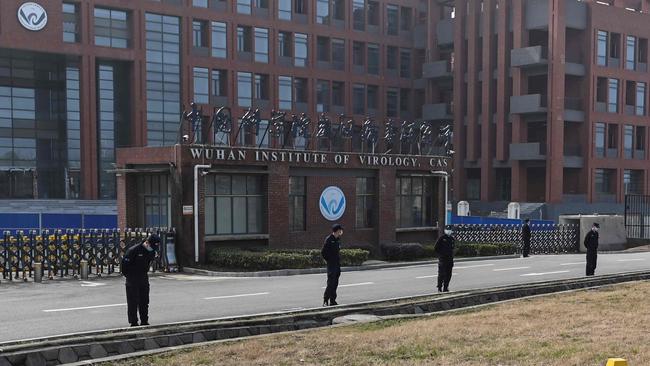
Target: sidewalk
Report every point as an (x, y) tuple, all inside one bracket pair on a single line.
[(367, 265)]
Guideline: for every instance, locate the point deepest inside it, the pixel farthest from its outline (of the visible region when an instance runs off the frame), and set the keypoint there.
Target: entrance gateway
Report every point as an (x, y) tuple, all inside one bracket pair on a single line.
[(280, 198)]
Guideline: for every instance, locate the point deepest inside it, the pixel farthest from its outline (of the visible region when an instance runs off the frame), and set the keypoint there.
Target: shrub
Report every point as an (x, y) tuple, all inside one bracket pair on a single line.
[(280, 259), (402, 251), (481, 250)]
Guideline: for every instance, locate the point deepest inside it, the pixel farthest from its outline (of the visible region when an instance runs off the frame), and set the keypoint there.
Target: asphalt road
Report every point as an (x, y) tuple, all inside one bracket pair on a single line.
[(30, 310)]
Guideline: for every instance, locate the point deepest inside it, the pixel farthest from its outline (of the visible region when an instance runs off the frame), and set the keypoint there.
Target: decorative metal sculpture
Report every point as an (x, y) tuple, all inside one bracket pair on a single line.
[(221, 122), (425, 138), (445, 139), (275, 127), (390, 135), (300, 128), (406, 134), (249, 119), (324, 130), (195, 118), (369, 134)]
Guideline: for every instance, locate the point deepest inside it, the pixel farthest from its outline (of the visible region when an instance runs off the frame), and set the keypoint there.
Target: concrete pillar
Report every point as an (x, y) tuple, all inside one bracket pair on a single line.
[(460, 133)]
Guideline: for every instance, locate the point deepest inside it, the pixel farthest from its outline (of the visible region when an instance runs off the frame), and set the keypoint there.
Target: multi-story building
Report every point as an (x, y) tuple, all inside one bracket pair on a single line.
[(549, 100)]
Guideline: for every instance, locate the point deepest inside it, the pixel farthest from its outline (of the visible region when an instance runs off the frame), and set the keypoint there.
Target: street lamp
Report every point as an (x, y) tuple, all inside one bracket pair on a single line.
[(445, 175)]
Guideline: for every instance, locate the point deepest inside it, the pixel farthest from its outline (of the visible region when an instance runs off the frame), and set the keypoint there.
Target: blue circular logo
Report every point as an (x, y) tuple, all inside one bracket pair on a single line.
[(332, 203), (32, 16)]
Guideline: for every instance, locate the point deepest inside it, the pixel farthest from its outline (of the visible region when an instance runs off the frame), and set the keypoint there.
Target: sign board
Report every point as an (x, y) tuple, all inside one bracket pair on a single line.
[(32, 16), (332, 203), (188, 210)]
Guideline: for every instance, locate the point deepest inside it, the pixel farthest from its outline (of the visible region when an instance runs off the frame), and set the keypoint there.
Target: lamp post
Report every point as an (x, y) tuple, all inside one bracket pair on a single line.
[(196, 208), (445, 175)]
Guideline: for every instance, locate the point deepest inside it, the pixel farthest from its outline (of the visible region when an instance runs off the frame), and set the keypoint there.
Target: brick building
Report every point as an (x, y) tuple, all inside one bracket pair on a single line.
[(549, 101)]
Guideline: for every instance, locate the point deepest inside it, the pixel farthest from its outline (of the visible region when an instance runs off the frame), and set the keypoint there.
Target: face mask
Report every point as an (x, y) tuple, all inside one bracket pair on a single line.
[(448, 232), (149, 249), (595, 229)]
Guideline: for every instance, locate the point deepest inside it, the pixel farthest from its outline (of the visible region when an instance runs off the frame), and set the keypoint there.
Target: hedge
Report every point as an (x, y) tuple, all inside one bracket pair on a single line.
[(257, 260), (413, 251), (482, 250)]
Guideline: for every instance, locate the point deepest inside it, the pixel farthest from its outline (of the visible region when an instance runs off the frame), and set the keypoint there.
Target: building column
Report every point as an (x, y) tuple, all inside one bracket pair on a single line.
[(555, 121), (486, 142), (278, 205), (460, 133), (518, 181), (502, 113), (88, 113), (473, 146), (386, 206)]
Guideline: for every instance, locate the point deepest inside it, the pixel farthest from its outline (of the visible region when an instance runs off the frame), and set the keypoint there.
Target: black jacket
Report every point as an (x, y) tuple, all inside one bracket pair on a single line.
[(525, 232), (331, 251), (136, 263), (591, 241), (445, 248)]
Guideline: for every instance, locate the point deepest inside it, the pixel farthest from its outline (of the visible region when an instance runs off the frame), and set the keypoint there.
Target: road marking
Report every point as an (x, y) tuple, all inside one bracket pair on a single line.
[(571, 264), (432, 276), (91, 284), (631, 260), (543, 273), (509, 269), (475, 266), (83, 308), (356, 284), (233, 296)]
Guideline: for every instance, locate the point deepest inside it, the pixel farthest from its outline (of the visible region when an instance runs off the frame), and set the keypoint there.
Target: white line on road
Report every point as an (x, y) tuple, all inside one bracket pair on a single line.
[(509, 269), (432, 276), (91, 284), (83, 308), (571, 264), (543, 273), (631, 260), (356, 284), (474, 266), (232, 296)]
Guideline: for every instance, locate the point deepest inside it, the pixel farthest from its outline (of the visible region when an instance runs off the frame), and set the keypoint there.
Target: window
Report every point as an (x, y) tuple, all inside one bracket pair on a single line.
[(405, 63), (153, 200), (372, 98), (262, 45), (300, 49), (297, 203), (633, 181), (200, 3), (338, 8), (338, 93), (414, 202), (285, 44), (630, 53), (219, 83), (262, 136), (284, 9), (373, 59), (323, 49), (358, 53), (201, 86), (358, 15), (284, 92), (639, 142), (604, 179), (358, 98), (392, 54), (262, 87), (404, 101), (640, 99), (322, 11), (338, 54), (628, 139), (614, 47), (234, 204), (600, 140), (365, 203), (70, 23), (199, 34), (244, 39), (244, 92), (112, 28), (373, 13), (601, 48), (219, 40), (612, 100), (391, 102), (406, 18), (244, 6), (300, 90), (300, 6), (262, 4), (612, 141), (322, 96), (392, 16)]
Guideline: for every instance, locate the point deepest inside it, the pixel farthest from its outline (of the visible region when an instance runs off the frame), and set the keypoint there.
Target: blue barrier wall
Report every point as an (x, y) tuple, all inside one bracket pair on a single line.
[(479, 220), (35, 221)]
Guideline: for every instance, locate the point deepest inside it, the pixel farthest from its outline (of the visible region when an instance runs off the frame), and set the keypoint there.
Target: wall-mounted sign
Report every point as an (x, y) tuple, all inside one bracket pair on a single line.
[(332, 203), (32, 16), (188, 210)]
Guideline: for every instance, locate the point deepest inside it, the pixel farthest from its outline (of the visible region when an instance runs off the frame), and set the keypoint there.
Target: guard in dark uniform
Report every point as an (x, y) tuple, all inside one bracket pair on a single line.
[(591, 243), (525, 236), (331, 254), (445, 250), (135, 265)]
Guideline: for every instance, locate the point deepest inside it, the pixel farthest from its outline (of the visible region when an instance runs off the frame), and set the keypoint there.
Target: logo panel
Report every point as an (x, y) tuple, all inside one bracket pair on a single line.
[(32, 16), (332, 203)]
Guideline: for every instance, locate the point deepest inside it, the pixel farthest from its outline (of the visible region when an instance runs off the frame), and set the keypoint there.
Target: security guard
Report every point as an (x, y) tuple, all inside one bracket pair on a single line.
[(591, 243), (331, 254), (445, 250), (135, 265)]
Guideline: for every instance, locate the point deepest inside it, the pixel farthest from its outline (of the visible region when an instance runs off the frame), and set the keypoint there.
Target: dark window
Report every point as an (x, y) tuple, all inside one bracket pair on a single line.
[(300, 90), (365, 203), (392, 55), (406, 18), (199, 33), (373, 58), (373, 13), (234, 204), (404, 101), (391, 102), (244, 39), (414, 202), (338, 8), (322, 96), (297, 203), (262, 87), (605, 182), (633, 181), (219, 83), (323, 49), (358, 53), (600, 140), (392, 16), (358, 98), (405, 63), (359, 14), (372, 99), (338, 93), (338, 54), (612, 96), (153, 200), (70, 22), (300, 6)]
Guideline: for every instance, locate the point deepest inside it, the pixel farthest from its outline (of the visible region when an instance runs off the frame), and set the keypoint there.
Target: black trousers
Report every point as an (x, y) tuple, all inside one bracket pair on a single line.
[(526, 249), (137, 299), (333, 275), (444, 274), (592, 257)]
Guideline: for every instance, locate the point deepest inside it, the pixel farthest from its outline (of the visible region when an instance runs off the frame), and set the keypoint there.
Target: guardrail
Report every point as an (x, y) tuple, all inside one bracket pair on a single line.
[(60, 253)]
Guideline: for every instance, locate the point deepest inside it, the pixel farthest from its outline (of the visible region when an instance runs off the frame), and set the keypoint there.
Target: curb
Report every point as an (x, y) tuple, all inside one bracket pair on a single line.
[(91, 346), (293, 272)]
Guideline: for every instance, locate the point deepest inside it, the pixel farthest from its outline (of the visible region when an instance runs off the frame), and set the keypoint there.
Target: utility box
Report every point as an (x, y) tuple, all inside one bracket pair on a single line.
[(463, 208), (514, 210)]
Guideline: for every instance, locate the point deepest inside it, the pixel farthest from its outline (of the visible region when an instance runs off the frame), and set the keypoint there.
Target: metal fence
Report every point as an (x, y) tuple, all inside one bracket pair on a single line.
[(61, 252), (545, 239), (637, 216)]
